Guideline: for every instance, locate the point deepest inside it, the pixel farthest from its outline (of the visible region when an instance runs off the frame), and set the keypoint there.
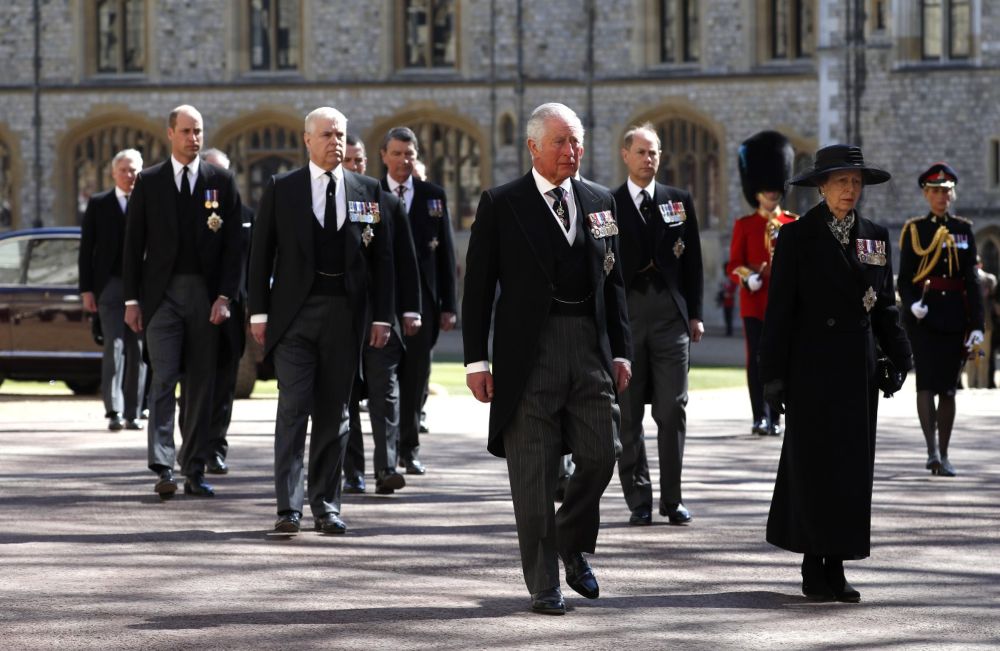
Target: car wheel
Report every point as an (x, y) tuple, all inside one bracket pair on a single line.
[(84, 387), (246, 375)]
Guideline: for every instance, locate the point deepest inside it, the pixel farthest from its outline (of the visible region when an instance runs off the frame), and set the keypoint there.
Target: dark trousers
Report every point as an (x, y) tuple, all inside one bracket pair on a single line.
[(123, 373), (381, 365), (182, 343), (751, 329), (414, 373), (568, 402), (315, 362), (659, 369)]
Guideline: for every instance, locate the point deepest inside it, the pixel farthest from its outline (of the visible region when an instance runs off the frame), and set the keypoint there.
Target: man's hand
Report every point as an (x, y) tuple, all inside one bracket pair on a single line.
[(919, 310), (220, 311), (975, 338), (697, 330), (754, 282), (257, 331), (481, 385), (133, 318), (448, 320), (623, 375), (411, 325), (89, 302), (379, 336)]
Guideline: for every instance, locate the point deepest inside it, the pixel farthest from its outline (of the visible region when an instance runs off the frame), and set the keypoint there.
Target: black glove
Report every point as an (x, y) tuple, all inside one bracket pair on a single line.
[(888, 379), (774, 395)]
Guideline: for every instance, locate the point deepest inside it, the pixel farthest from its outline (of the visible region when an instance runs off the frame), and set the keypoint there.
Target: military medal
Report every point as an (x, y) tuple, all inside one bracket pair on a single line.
[(211, 199), (367, 235), (433, 243), (678, 248), (363, 212), (869, 299), (602, 224), (871, 251), (609, 262), (961, 240), (673, 213), (435, 208)]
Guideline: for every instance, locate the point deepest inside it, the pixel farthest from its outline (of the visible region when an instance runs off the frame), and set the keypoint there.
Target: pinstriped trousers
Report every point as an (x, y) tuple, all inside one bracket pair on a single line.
[(568, 403)]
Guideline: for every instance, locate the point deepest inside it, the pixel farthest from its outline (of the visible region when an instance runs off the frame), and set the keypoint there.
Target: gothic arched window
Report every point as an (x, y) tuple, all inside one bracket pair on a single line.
[(260, 152), (690, 161)]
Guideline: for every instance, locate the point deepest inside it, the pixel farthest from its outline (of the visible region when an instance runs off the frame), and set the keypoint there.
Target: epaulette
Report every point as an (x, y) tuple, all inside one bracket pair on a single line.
[(913, 219), (961, 219)]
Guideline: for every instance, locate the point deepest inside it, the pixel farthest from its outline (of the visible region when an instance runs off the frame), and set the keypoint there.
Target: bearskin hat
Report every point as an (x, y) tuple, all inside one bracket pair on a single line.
[(765, 160)]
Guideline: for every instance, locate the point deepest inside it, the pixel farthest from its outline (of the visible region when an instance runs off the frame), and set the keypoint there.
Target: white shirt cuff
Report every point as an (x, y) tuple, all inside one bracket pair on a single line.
[(388, 325), (414, 315), (258, 318), (132, 302), (477, 367)]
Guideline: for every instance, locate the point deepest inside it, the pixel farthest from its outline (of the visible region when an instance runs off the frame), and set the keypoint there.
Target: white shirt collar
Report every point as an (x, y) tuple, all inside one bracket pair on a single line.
[(634, 190), (544, 185), (192, 166), (315, 171), (120, 193), (393, 184)]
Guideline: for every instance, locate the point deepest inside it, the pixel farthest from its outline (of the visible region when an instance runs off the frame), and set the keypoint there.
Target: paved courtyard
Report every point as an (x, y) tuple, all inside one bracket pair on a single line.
[(90, 558)]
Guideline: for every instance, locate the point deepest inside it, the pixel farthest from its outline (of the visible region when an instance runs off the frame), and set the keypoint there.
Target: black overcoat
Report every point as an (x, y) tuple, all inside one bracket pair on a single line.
[(819, 338)]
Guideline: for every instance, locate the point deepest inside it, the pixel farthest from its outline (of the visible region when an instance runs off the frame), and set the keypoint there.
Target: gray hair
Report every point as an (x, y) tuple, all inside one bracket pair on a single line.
[(403, 134), (327, 112), (536, 123), (131, 154), (636, 128), (218, 155)]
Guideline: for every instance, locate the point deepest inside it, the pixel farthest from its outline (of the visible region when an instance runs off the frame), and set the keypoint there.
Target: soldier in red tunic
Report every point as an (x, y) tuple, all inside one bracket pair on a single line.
[(765, 161)]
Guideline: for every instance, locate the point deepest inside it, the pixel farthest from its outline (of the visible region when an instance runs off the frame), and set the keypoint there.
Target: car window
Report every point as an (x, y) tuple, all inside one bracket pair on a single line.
[(54, 262), (11, 257)]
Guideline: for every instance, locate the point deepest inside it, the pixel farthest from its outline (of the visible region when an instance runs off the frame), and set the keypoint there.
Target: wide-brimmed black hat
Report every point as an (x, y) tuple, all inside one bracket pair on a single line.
[(765, 161), (841, 157)]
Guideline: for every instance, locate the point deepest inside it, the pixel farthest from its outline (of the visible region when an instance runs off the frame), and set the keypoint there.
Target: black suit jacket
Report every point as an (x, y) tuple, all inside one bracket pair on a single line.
[(510, 247), (283, 246), (404, 258), (151, 235), (102, 236), (683, 276), (435, 250)]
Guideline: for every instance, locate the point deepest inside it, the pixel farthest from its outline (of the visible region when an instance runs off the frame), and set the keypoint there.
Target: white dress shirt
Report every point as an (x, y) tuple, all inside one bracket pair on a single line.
[(407, 194), (635, 192), (192, 172), (320, 181), (122, 198)]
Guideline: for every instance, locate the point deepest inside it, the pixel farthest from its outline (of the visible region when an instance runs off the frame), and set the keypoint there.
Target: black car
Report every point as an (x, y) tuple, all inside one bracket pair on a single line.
[(44, 332)]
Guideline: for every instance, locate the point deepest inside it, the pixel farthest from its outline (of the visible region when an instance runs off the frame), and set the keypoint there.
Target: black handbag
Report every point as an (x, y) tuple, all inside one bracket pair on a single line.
[(886, 376)]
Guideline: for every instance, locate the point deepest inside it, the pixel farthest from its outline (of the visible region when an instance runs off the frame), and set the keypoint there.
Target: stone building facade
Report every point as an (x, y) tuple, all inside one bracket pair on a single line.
[(914, 81)]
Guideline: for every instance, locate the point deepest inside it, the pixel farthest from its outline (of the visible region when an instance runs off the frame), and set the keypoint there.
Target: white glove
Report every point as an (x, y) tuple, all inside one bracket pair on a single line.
[(754, 282), (975, 338), (919, 310)]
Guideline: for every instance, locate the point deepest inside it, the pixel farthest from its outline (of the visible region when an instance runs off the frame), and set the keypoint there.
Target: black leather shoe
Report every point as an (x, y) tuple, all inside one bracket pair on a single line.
[(388, 481), (579, 576), (116, 423), (166, 485), (814, 583), (217, 465), (561, 484), (195, 485), (354, 484), (642, 515), (413, 466), (330, 523), (676, 513), (548, 602), (837, 583), (132, 424), (775, 429), (288, 524), (760, 427)]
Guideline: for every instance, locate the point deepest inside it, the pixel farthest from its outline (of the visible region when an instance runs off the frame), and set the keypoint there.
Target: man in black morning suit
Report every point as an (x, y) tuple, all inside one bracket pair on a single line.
[(325, 235), (181, 265), (102, 237), (427, 210), (661, 264), (561, 346)]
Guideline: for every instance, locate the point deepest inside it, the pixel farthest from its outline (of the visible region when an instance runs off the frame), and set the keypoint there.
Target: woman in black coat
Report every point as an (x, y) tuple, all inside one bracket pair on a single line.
[(832, 302)]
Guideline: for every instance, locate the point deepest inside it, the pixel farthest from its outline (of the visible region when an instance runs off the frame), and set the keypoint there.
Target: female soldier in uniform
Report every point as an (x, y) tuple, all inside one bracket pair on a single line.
[(939, 285), (831, 301)]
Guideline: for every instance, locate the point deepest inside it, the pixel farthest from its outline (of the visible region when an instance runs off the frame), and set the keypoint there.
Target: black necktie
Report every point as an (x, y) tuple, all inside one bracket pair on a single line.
[(330, 214), (125, 207), (646, 207), (185, 186), (560, 207)]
